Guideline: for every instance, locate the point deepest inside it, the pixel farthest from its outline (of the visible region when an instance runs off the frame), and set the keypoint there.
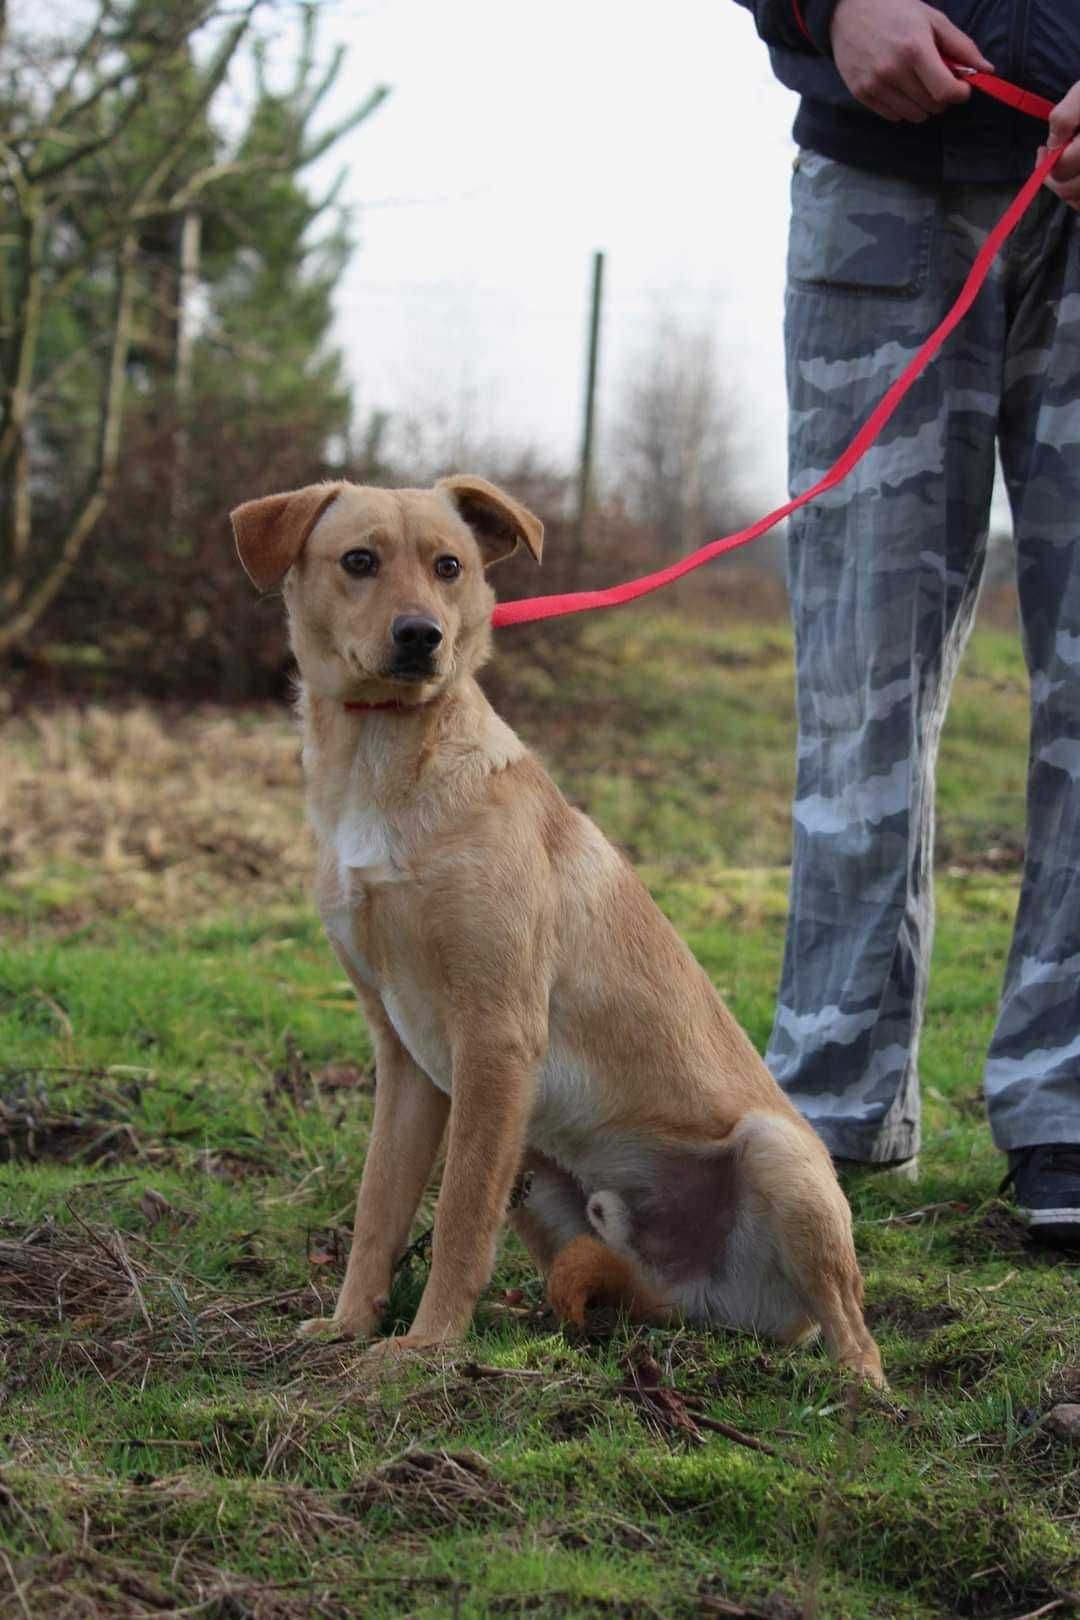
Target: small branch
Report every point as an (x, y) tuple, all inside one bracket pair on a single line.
[(182, 199), (740, 1437), (122, 1256), (156, 179), (474, 1369), (325, 141)]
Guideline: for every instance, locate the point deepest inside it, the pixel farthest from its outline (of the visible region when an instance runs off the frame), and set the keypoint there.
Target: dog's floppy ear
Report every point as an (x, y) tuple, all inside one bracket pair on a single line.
[(495, 518), (270, 533)]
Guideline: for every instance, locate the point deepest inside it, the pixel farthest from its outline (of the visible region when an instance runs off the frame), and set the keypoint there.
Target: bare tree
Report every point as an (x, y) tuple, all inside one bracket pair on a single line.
[(672, 450), (78, 197)]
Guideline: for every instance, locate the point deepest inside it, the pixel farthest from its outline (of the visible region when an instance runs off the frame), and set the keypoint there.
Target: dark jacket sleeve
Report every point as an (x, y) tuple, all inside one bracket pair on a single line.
[(800, 25)]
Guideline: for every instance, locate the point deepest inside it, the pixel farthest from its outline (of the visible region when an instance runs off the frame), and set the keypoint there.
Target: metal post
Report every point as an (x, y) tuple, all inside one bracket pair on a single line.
[(585, 474)]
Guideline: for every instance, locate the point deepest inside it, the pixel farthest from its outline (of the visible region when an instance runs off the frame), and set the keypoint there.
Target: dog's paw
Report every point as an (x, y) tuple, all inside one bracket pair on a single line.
[(865, 1365), (401, 1346), (320, 1327), (356, 1316), (328, 1327)]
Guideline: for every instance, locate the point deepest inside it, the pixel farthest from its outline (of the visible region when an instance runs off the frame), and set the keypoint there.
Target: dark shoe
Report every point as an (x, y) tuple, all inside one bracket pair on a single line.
[(1045, 1182)]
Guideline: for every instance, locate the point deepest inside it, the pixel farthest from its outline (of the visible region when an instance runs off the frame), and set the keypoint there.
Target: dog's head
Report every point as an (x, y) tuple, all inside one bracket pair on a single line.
[(386, 589)]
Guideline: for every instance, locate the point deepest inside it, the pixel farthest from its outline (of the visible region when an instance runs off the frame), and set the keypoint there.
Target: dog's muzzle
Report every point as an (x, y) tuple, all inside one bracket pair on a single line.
[(416, 638)]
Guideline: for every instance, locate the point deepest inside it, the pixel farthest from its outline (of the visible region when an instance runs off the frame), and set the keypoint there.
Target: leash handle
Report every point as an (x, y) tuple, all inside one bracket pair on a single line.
[(528, 609), (1025, 101)]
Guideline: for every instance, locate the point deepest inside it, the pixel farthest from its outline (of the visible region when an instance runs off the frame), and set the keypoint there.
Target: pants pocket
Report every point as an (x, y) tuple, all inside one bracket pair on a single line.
[(857, 234)]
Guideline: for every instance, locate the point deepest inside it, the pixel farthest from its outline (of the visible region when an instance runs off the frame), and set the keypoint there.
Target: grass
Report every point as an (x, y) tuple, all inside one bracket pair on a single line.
[(185, 1095)]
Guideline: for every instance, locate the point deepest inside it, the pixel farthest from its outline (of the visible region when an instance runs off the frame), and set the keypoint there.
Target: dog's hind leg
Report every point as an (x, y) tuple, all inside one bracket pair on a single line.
[(801, 1203)]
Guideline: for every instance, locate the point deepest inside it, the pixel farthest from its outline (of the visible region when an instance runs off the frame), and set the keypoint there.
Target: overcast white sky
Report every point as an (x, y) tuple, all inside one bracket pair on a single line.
[(518, 139)]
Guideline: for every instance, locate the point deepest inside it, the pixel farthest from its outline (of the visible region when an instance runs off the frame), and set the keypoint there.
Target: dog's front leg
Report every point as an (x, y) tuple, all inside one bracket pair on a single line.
[(492, 1094), (410, 1117)]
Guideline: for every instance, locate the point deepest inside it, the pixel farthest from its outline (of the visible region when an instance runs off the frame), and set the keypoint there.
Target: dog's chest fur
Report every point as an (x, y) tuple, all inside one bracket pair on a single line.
[(363, 856)]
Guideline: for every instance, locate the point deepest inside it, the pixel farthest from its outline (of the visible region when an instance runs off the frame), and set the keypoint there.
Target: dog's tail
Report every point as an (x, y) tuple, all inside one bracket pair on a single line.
[(587, 1273)]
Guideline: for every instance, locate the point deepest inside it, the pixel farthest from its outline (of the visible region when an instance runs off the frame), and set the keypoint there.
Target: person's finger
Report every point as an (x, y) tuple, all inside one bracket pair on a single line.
[(895, 88), (942, 87), (1065, 118), (956, 46), (882, 109), (1069, 192), (1067, 167), (907, 88), (902, 105)]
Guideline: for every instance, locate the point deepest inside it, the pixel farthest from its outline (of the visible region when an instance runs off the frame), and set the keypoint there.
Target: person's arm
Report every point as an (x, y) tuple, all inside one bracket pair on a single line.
[(893, 56), (800, 25), (1064, 123)]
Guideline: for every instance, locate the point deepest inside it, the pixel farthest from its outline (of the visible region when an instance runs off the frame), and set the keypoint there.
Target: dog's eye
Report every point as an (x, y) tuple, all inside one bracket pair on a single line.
[(361, 564), (447, 567)]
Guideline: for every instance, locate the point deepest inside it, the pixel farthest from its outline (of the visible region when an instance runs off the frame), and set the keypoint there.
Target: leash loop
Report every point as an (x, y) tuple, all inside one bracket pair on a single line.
[(531, 608)]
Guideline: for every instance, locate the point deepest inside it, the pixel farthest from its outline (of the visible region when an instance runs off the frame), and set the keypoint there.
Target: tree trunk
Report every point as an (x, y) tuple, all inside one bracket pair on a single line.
[(97, 495)]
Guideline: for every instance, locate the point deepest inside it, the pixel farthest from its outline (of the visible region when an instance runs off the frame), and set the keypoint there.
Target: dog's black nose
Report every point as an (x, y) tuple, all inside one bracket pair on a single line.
[(415, 634)]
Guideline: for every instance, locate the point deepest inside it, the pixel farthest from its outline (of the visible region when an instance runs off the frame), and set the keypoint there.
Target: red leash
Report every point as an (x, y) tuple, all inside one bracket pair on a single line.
[(552, 607)]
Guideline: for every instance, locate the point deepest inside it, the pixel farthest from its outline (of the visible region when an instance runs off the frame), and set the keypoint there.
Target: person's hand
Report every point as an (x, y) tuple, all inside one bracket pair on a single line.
[(892, 56), (1064, 180)]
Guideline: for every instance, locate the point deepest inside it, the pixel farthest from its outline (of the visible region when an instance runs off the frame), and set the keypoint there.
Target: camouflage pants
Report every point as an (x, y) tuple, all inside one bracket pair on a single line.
[(884, 574)]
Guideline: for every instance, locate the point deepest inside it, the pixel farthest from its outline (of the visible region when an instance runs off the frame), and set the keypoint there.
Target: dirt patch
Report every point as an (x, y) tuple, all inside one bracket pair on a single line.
[(952, 1369), (917, 1319), (231, 1164), (998, 1232), (959, 1354), (612, 1532), (36, 1125), (118, 1317), (571, 1604), (1064, 1386), (574, 1420)]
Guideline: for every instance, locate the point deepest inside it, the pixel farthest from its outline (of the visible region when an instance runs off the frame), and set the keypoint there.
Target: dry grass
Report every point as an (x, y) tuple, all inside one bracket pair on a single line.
[(64, 1274), (678, 737), (144, 811)]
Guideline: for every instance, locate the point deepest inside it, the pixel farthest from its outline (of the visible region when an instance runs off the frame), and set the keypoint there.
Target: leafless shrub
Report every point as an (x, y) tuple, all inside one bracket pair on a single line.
[(672, 443)]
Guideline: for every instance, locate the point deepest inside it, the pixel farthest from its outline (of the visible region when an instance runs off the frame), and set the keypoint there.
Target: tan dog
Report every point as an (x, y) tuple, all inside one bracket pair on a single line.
[(517, 977)]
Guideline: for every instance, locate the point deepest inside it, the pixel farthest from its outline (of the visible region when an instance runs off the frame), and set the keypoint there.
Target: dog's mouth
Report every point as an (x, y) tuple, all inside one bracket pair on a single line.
[(413, 671), (399, 669)]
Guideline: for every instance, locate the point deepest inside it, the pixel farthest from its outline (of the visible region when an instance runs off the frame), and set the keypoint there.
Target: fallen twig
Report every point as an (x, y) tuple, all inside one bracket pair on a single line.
[(474, 1369), (912, 1217)]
